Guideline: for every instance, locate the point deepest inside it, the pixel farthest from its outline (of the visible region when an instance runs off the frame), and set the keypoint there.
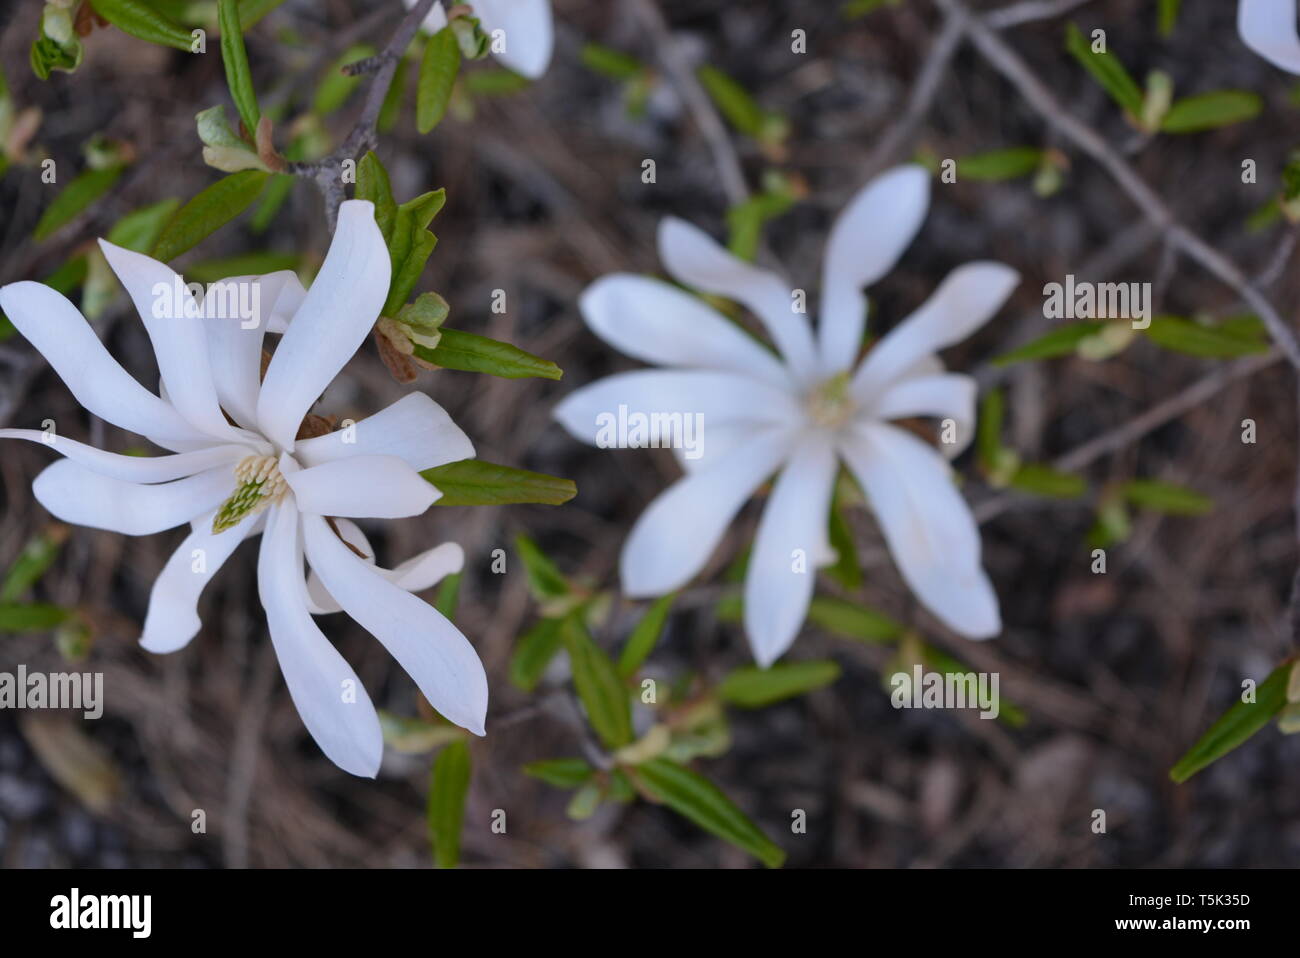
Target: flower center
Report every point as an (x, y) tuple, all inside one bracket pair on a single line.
[(259, 485), (829, 404)]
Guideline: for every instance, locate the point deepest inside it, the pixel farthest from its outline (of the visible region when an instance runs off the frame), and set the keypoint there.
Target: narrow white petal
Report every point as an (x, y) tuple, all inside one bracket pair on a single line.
[(927, 525), (716, 443), (327, 693), (966, 299), (943, 396), (61, 334), (337, 314), (416, 574), (173, 617), (526, 31), (133, 468), (415, 428), (71, 492), (598, 413), (790, 545), (679, 530), (376, 487), (432, 651), (866, 241), (1269, 28), (694, 258)]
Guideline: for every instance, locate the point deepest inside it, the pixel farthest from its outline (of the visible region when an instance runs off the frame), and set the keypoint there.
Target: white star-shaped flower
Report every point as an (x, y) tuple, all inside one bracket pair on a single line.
[(527, 31), (800, 411), (1269, 28), (238, 469)]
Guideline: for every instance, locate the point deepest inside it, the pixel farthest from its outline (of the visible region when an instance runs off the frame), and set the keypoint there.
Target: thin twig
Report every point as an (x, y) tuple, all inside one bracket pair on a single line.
[(1029, 11)]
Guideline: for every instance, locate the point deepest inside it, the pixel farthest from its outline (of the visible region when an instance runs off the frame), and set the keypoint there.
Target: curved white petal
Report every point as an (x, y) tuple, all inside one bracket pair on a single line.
[(327, 693), (716, 443), (790, 545), (416, 574), (173, 617), (694, 258), (61, 334), (596, 413), (415, 428), (71, 492), (674, 537), (655, 321), (172, 318), (943, 396), (133, 468), (966, 299), (428, 647), (374, 487), (866, 241), (434, 21), (1269, 28), (335, 317), (527, 33), (927, 525)]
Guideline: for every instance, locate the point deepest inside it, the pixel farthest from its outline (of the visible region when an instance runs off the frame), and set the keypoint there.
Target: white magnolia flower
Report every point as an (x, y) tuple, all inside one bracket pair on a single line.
[(237, 469), (527, 33), (1269, 28), (799, 411)]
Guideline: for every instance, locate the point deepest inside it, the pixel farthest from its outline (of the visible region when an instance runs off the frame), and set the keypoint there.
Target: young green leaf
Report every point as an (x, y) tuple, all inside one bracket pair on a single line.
[(996, 165), (244, 264), (471, 353), (1041, 480), (31, 616), (438, 69), (560, 772), (603, 694), (1168, 16), (1167, 497), (752, 687), (1236, 725), (852, 621), (235, 58), (847, 571), (139, 229), (410, 245), (448, 787), (448, 596), (645, 635), (545, 580), (473, 482), (1106, 69), (733, 101), (1061, 341), (495, 82), (611, 63), (87, 187), (37, 556), (534, 652), (141, 20), (373, 185), (1210, 111), (207, 212), (1212, 342), (697, 799)]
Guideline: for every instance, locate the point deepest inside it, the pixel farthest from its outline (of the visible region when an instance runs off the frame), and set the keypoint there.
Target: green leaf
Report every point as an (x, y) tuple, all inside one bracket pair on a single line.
[(733, 101), (1236, 725), (1169, 16), (988, 430), (87, 187), (855, 9), (448, 787), (996, 165), (235, 58), (1167, 497), (244, 264), (438, 69), (1061, 341), (392, 104), (752, 687), (846, 570), (611, 63), (448, 596), (31, 616), (141, 20), (410, 245), (37, 556), (1195, 339), (473, 482), (1107, 70), (852, 621), (373, 185), (560, 772), (545, 580), (471, 353), (700, 801), (1040, 480), (336, 86), (139, 229), (495, 82), (273, 197), (645, 635), (603, 694), (534, 652), (1210, 111), (207, 212), (414, 736)]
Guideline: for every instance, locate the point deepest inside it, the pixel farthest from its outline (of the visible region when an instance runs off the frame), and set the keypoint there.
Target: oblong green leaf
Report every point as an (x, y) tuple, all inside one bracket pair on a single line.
[(472, 353), (645, 635), (534, 652), (1106, 69), (733, 101), (473, 482), (1209, 111), (207, 212), (1061, 341), (1166, 497), (995, 165), (852, 621), (37, 556), (31, 616), (1042, 480), (438, 69), (753, 687), (1236, 725), (85, 188), (239, 78), (448, 786), (139, 229), (1211, 342), (141, 20), (545, 580), (560, 772), (603, 694)]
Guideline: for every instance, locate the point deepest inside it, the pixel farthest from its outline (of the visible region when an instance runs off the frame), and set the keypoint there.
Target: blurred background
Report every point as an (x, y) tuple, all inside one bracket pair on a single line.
[(1116, 674)]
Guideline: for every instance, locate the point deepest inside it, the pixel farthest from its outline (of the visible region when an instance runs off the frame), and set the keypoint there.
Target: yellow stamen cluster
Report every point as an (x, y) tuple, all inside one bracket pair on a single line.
[(259, 485), (829, 404)]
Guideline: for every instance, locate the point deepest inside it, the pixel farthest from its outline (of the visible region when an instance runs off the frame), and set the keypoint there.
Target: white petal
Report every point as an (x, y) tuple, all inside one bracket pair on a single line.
[(416, 574), (344, 725), (73, 493), (133, 468), (790, 544), (945, 396), (1269, 28), (171, 317), (715, 443), (594, 413), (927, 525), (415, 428), (61, 334), (434, 21), (173, 617), (693, 258), (966, 299), (674, 537), (526, 30), (432, 651), (376, 487), (868, 238), (337, 314)]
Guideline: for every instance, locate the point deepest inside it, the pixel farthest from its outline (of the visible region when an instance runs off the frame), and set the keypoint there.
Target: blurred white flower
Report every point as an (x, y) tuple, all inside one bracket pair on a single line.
[(800, 411), (238, 469), (527, 32), (1269, 28)]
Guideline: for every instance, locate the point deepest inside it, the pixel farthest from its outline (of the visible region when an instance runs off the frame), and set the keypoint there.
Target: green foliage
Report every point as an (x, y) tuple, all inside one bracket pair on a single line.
[(611, 63), (141, 20), (852, 621), (645, 635), (57, 47), (1236, 725), (472, 353), (337, 86), (1061, 341), (235, 59), (1228, 340), (1040, 480), (1209, 111), (740, 109), (1107, 70), (207, 212), (846, 571), (438, 69), (473, 482), (37, 556), (31, 616), (996, 165), (1168, 16), (448, 787), (752, 687), (534, 652), (140, 229), (86, 188), (603, 695), (561, 772), (545, 580), (1167, 497)]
